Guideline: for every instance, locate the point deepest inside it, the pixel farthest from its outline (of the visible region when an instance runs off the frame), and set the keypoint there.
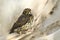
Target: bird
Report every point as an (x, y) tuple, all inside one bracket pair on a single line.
[(22, 20)]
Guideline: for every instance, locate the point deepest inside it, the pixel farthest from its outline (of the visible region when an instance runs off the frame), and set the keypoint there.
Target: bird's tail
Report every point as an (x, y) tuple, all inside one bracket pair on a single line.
[(15, 26), (11, 31)]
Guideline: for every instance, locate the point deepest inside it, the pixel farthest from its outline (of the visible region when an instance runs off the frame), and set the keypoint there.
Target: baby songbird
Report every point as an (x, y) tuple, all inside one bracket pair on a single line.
[(23, 19)]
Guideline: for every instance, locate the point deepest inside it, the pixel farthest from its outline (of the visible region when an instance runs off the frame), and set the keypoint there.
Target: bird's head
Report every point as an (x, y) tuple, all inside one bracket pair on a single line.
[(27, 11)]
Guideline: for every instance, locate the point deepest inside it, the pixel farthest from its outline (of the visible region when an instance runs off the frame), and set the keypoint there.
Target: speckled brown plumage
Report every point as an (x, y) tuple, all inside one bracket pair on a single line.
[(23, 19)]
